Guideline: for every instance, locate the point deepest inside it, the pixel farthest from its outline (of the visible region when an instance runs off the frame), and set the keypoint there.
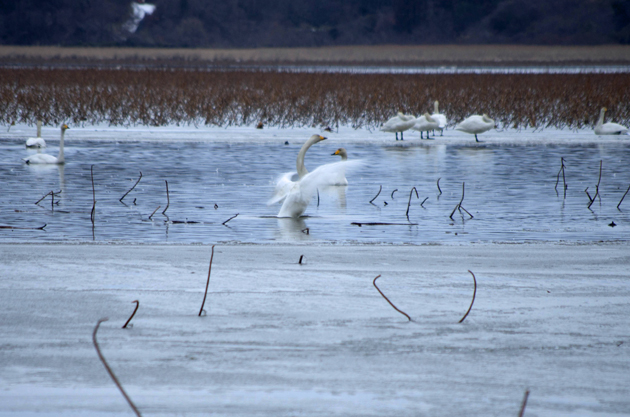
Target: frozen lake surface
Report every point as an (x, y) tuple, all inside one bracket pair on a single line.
[(216, 173)]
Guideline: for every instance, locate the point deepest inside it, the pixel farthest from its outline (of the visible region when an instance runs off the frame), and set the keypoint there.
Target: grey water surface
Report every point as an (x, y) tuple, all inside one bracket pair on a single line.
[(509, 190)]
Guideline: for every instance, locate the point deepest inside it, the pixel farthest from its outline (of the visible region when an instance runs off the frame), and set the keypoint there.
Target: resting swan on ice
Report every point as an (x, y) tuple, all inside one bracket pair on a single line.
[(36, 142), (476, 124), (609, 128), (399, 123)]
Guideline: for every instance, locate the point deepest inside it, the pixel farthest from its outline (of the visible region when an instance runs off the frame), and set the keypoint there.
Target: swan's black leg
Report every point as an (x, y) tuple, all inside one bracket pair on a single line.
[(401, 136), (397, 135), (476, 138)]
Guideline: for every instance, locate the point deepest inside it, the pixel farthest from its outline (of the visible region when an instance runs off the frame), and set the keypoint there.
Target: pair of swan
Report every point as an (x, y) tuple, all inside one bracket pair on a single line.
[(609, 128), (475, 125), (42, 158), (36, 142), (399, 123), (427, 122), (296, 189)]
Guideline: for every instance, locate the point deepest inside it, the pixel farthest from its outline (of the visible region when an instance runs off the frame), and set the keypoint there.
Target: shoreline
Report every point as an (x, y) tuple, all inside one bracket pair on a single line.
[(378, 55)]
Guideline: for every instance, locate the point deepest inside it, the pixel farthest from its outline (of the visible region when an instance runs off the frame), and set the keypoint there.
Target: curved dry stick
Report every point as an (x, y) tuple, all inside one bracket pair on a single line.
[(473, 299), (390, 303), (229, 219), (168, 200), (134, 186), (109, 371), (624, 196), (394, 192), (596, 187), (132, 314), (438, 185), (207, 283), (377, 194), (523, 404), (409, 203), (423, 201)]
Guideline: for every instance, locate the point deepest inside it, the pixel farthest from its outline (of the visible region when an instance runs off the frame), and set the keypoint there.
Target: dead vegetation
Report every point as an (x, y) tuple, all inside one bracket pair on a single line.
[(158, 97)]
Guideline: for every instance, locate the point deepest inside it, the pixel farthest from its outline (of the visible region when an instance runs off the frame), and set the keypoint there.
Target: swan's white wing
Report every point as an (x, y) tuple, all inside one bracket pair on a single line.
[(283, 187), (441, 120), (303, 191)]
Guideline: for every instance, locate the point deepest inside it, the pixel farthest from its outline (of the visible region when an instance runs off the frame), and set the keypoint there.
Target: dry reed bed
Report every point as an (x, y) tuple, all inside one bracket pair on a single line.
[(159, 97)]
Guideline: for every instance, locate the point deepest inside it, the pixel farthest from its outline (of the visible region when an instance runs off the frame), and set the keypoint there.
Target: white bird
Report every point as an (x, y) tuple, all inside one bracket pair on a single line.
[(341, 177), (303, 191), (425, 123), (42, 158), (476, 124), (609, 128), (36, 142), (286, 181), (441, 119), (399, 123)]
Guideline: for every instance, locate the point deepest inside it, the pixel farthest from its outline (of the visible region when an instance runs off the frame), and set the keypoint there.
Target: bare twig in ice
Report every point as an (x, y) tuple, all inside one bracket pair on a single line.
[(132, 314), (24, 228), (46, 195), (394, 192), (624, 196), (109, 371), (229, 219), (523, 404), (390, 303), (207, 283), (473, 297), (377, 194), (93, 212), (306, 231), (422, 204), (168, 199), (596, 187), (134, 186), (409, 203), (438, 185), (459, 205), (564, 182), (158, 207), (300, 261)]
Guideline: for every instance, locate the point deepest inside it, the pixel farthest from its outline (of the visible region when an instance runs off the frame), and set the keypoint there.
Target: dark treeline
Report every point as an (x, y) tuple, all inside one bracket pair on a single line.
[(291, 23)]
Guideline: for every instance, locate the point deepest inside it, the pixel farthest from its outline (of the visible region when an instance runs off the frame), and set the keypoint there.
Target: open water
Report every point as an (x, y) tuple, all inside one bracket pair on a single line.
[(215, 173)]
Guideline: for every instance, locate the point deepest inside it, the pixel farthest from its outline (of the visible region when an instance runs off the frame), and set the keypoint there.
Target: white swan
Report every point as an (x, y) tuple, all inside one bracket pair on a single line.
[(303, 191), (36, 142), (42, 158), (286, 181), (341, 175), (476, 124), (399, 123), (609, 128), (425, 123), (440, 118)]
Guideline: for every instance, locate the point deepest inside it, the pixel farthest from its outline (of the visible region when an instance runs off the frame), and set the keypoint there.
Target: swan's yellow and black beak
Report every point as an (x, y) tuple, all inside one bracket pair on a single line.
[(336, 152), (322, 138), (65, 126), (605, 109)]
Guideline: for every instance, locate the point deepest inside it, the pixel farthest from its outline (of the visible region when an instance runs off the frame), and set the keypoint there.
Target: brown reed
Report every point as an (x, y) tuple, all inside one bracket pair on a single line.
[(158, 97)]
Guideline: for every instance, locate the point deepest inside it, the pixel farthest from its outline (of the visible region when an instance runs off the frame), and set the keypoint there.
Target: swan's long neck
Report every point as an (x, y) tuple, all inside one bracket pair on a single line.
[(39, 129), (436, 109), (299, 162), (60, 158), (601, 117)]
